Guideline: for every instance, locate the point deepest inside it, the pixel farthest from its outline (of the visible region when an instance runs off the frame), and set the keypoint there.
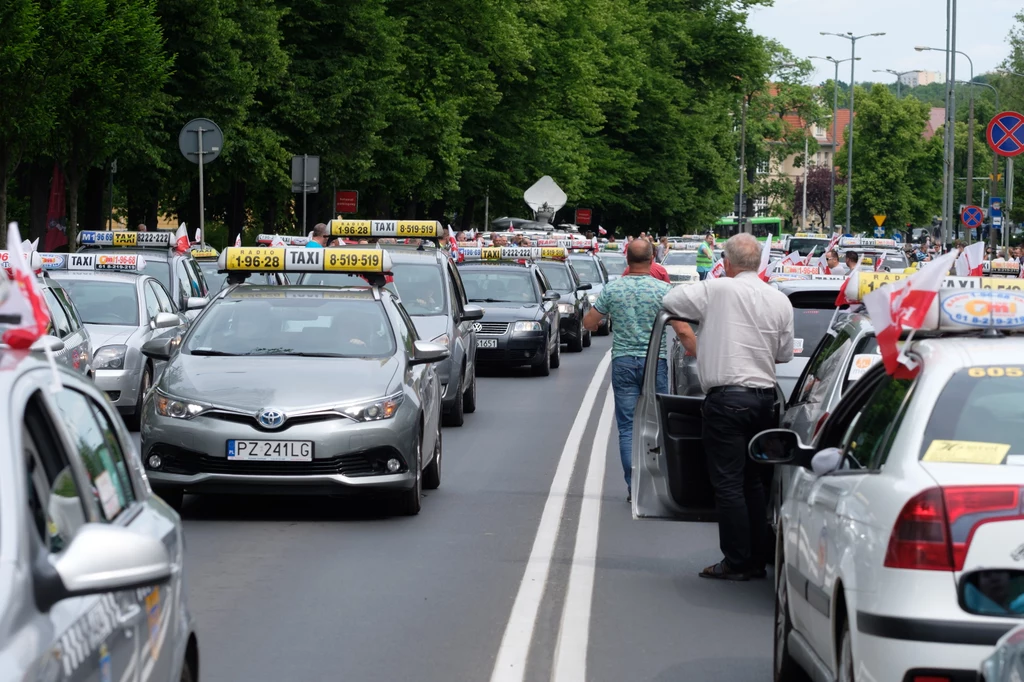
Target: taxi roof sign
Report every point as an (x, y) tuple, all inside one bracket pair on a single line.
[(203, 251), (288, 239), (514, 253), (125, 238), (35, 260), (863, 283), (811, 235), (300, 259), (425, 229), (868, 241), (99, 262)]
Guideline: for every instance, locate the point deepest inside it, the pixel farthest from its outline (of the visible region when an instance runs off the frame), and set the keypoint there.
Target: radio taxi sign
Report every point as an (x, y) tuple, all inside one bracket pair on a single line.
[(292, 259), (430, 229)]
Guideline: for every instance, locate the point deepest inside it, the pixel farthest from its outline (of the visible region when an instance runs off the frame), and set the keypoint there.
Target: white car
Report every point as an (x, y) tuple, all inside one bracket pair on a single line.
[(681, 265), (909, 486)]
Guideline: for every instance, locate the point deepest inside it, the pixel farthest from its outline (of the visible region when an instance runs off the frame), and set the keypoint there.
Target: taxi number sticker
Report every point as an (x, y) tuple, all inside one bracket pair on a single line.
[(978, 372), (125, 238), (253, 258), (556, 252), (412, 229), (371, 261), (966, 452)]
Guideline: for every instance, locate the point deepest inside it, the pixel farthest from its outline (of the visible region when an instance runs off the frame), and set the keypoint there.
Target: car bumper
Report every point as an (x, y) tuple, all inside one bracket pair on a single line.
[(520, 348), (898, 649), (347, 456), (120, 385)]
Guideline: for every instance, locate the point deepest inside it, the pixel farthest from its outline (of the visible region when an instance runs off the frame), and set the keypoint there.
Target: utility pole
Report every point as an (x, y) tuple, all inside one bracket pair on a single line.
[(803, 220), (835, 141), (743, 162)]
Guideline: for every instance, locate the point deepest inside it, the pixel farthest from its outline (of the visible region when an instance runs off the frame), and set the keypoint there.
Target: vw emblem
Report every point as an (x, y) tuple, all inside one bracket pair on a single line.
[(270, 418), (477, 327)]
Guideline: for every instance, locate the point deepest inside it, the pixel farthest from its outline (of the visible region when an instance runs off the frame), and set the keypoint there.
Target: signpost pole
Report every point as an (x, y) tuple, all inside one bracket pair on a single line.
[(202, 205), (305, 158), (487, 208), (803, 219), (1009, 202), (110, 219)]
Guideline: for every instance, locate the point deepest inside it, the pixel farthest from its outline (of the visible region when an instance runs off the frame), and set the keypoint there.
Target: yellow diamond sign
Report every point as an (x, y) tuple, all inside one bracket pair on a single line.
[(880, 220)]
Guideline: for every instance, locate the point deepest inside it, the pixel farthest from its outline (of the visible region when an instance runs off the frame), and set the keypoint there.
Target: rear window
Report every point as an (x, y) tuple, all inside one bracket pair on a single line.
[(804, 246), (977, 418), (812, 315)]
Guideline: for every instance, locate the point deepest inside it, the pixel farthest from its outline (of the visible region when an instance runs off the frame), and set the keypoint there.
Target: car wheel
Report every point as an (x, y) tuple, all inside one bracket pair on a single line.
[(455, 416), (556, 358), (586, 339), (605, 329), (542, 367), (845, 654), (186, 673), (469, 397), (575, 344), (785, 667), (174, 497), (432, 472), (134, 420), (409, 502)]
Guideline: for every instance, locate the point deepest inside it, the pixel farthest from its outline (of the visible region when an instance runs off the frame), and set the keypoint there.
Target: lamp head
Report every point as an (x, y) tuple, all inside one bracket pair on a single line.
[(921, 48)]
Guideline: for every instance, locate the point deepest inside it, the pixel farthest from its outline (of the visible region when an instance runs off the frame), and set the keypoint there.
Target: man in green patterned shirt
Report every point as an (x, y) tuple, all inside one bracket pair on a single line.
[(632, 302)]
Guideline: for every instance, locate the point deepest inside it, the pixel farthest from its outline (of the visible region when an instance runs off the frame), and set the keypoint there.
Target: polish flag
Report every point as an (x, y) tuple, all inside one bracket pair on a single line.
[(511, 228), (21, 302), (904, 304), (823, 265), (199, 237), (971, 262), (878, 263), (181, 242), (601, 230), (807, 259), (718, 270), (238, 239), (277, 241), (841, 299), (766, 252)]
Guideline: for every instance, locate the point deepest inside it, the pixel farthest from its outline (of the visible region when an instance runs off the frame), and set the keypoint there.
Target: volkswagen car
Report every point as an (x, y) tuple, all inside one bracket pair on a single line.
[(591, 270), (573, 305)]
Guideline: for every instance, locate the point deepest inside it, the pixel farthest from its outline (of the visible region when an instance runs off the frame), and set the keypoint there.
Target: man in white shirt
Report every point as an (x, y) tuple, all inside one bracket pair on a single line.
[(746, 328)]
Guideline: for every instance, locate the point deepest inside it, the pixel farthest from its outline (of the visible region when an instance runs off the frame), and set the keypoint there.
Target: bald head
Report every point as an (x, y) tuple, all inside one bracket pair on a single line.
[(743, 253), (639, 252)]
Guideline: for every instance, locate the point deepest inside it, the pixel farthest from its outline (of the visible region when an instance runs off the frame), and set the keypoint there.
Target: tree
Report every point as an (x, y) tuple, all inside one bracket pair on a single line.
[(819, 193)]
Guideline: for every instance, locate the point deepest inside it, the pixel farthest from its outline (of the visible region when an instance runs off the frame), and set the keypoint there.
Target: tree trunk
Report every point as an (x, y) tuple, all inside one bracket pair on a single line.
[(191, 217), (38, 178), (466, 221), (94, 215), (3, 202), (409, 213), (748, 210), (74, 179), (236, 211)]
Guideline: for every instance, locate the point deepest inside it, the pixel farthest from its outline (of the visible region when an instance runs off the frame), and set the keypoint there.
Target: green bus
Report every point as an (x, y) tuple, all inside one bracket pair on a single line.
[(760, 227)]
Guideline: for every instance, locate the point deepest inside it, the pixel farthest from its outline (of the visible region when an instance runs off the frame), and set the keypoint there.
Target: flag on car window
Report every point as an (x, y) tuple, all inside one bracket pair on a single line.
[(22, 301), (766, 252), (181, 242)]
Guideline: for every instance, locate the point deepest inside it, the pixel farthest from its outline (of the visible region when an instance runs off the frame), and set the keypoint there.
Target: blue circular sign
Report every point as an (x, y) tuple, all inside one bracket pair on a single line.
[(1006, 133), (972, 216)]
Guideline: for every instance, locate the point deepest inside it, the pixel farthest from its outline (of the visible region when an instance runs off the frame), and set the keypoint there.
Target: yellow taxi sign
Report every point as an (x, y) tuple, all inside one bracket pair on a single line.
[(866, 282), (427, 229), (123, 238), (204, 252), (513, 253), (302, 259), (553, 253)]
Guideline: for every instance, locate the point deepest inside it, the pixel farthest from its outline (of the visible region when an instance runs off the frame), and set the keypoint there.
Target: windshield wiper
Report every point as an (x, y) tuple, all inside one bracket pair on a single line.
[(307, 355), (490, 300), (210, 351)]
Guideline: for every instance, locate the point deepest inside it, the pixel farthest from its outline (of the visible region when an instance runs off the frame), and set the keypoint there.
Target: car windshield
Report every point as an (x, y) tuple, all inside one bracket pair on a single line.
[(587, 270), (337, 325), (558, 277), (680, 258), (214, 280), (101, 302), (499, 286), (420, 287), (977, 418), (613, 262), (804, 245)]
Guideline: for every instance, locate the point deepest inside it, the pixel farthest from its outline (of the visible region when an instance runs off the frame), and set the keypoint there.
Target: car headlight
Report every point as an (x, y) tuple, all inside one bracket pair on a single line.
[(443, 340), (565, 308), (525, 326), (177, 408), (592, 298), (109, 357), (373, 410)]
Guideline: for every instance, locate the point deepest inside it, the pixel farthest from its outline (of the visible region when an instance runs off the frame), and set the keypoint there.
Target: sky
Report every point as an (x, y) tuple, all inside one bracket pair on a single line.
[(982, 27)]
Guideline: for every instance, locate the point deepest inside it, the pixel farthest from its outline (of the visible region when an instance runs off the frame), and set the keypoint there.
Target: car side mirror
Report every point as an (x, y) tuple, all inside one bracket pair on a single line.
[(779, 446), (158, 349), (472, 312), (551, 295), (424, 352), (993, 592), (165, 321), (196, 303), (585, 286), (47, 342), (101, 558)]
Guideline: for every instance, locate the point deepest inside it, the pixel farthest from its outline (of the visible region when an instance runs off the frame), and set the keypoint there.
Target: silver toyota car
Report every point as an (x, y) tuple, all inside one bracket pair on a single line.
[(122, 311), (294, 389), (91, 583)]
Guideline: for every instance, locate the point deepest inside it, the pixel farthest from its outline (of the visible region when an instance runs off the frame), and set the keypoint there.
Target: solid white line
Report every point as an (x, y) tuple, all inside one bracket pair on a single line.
[(510, 664), (574, 632)]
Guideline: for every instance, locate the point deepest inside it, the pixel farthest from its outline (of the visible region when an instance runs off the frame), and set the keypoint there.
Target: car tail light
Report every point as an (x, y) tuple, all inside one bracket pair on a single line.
[(934, 530)]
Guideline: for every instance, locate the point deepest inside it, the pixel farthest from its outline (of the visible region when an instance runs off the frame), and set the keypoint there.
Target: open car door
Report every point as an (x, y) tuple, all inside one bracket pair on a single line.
[(670, 474)]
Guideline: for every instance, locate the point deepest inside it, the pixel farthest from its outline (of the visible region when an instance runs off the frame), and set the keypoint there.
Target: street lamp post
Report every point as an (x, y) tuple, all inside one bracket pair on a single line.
[(899, 75), (951, 128), (835, 140), (849, 143)]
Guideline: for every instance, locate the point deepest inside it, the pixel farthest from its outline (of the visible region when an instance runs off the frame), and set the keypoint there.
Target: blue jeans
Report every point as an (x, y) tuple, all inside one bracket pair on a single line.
[(627, 382)]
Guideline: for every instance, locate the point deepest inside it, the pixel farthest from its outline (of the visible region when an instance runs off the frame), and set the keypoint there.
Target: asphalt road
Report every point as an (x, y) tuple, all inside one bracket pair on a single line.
[(469, 591)]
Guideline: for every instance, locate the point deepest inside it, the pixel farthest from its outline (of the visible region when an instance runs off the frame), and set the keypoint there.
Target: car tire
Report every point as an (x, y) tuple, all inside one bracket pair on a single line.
[(784, 668), (556, 358), (134, 420), (409, 501), (845, 654), (186, 673), (586, 339), (432, 472), (456, 414), (174, 497), (605, 329), (469, 397), (542, 367), (575, 344)]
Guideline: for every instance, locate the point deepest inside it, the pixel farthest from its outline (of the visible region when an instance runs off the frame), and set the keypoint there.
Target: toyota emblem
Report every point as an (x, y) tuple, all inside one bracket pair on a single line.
[(271, 418), (477, 327)]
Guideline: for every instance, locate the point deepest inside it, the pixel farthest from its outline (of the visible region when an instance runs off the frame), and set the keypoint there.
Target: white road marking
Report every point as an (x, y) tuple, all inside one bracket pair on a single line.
[(510, 664), (574, 631)]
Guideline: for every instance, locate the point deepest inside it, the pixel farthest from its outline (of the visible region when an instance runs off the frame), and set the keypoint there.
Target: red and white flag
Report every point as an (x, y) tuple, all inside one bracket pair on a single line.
[(717, 270), (181, 242), (766, 252), (904, 304), (199, 237), (238, 239), (277, 241), (21, 302), (823, 267), (511, 228), (601, 230), (971, 262), (807, 259), (841, 299), (878, 263)]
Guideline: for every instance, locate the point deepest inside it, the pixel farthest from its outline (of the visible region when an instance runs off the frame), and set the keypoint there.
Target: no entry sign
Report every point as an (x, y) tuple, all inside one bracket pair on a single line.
[(1006, 134)]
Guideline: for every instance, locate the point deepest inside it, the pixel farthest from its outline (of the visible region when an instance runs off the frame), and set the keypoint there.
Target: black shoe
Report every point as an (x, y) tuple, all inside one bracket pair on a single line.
[(759, 573), (629, 497)]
